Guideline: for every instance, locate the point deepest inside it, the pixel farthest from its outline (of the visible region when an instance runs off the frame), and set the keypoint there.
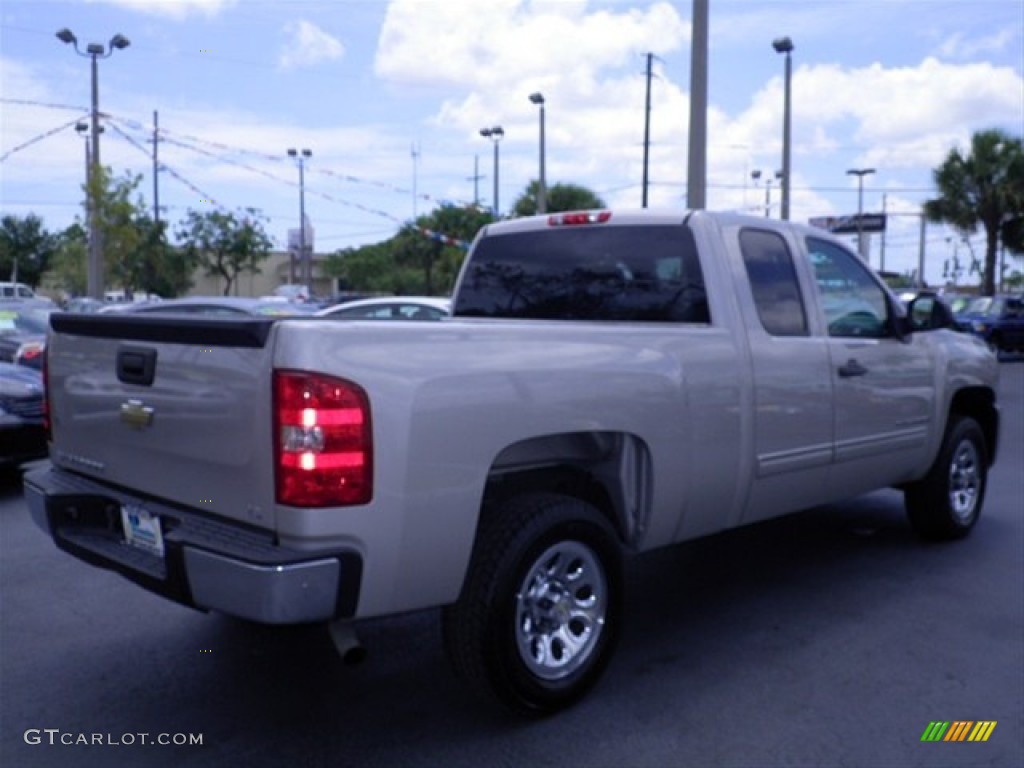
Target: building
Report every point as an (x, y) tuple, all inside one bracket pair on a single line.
[(273, 272)]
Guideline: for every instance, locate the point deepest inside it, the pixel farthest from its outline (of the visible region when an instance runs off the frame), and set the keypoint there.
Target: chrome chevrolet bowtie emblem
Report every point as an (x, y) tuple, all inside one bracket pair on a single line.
[(136, 415)]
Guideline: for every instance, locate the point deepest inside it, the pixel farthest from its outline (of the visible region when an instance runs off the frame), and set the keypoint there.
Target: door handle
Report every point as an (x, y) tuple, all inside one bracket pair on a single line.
[(851, 369)]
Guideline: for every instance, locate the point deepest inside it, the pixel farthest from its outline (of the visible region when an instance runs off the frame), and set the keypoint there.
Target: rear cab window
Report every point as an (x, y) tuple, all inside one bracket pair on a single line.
[(615, 273), (773, 282)]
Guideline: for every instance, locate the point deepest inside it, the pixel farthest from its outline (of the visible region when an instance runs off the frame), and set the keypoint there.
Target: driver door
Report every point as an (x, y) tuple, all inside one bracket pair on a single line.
[(883, 384)]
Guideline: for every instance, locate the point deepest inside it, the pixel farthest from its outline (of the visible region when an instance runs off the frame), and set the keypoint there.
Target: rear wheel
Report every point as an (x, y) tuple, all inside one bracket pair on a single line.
[(947, 502), (539, 613)]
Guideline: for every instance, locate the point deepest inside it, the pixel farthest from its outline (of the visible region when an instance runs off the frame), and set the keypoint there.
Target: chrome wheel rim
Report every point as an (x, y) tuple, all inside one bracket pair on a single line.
[(964, 481), (560, 610)]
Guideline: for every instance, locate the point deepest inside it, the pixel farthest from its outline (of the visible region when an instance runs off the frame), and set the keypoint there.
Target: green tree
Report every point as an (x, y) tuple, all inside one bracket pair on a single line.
[(436, 244), (560, 197), (26, 248), (67, 267), (369, 269), (224, 244), (983, 188), (156, 267), (422, 258)]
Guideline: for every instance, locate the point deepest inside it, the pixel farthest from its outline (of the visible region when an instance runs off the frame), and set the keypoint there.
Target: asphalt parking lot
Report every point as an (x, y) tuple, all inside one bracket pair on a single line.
[(829, 638)]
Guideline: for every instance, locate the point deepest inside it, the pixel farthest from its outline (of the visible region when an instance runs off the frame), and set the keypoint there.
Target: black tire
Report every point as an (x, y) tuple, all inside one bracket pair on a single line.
[(521, 631), (946, 503)]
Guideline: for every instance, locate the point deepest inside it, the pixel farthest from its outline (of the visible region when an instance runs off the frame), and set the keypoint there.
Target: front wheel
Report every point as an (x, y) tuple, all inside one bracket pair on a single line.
[(946, 503), (539, 613)]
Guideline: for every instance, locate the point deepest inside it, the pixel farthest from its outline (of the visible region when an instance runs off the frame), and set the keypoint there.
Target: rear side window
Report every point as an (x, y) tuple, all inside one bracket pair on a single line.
[(640, 274), (773, 282)]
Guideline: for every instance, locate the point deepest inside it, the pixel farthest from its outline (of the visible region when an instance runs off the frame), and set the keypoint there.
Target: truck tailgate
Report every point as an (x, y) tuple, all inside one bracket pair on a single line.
[(178, 408)]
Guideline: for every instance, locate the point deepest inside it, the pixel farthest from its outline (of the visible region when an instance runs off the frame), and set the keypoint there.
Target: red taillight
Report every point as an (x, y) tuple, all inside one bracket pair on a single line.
[(323, 441), (28, 352), (578, 217)]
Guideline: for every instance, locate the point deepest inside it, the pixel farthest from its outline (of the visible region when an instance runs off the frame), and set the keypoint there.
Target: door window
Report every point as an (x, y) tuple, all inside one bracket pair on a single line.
[(855, 304)]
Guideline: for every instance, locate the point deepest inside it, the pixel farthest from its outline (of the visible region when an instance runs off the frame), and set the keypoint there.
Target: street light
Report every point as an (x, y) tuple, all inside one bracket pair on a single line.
[(495, 134), (860, 173), (95, 51), (785, 45), (755, 175), (305, 260), (542, 190)]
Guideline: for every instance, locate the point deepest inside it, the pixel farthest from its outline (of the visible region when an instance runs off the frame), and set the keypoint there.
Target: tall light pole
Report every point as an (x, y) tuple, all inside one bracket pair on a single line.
[(785, 45), (542, 189), (94, 273), (305, 260), (495, 134), (756, 175), (860, 173)]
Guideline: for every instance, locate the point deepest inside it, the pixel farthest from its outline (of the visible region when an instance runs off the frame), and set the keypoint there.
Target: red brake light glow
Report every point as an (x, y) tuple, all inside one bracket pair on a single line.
[(577, 218), (323, 441)]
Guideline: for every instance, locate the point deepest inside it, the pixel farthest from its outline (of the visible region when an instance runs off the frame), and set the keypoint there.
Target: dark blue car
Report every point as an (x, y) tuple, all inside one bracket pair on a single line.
[(22, 436), (996, 320)]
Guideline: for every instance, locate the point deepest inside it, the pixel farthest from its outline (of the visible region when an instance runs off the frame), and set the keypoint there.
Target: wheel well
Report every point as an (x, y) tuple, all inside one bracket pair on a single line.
[(608, 470), (979, 404)]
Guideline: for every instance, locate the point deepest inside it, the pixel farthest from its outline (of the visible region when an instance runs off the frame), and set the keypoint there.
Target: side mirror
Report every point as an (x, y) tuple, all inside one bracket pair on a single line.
[(928, 312)]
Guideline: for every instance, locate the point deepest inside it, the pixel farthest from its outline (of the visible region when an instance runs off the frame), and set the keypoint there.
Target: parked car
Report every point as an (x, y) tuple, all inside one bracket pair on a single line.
[(23, 327), (293, 292), (958, 302), (391, 308), (84, 304), (996, 320), (22, 437), (223, 306)]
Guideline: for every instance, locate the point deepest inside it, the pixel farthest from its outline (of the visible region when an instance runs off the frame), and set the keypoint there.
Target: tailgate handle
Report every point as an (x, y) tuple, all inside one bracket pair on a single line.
[(136, 365)]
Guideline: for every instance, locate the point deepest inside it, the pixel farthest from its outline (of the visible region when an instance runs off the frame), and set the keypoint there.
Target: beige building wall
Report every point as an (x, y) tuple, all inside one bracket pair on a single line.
[(273, 272)]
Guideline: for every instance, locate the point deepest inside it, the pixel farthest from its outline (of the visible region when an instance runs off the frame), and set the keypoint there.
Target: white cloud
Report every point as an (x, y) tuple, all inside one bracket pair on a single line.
[(174, 9), (907, 115), (307, 45), (959, 46), (485, 44)]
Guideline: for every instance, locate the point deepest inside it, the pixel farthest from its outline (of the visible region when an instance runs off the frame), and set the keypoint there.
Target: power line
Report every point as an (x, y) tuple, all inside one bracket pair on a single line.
[(39, 138)]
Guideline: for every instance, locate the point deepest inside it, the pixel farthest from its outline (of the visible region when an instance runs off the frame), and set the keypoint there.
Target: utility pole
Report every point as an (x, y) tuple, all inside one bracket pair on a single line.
[(156, 169), (920, 254), (415, 151), (881, 256), (647, 128), (475, 178)]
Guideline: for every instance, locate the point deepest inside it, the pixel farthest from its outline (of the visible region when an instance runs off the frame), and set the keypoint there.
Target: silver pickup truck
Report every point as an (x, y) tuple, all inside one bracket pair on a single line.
[(611, 382)]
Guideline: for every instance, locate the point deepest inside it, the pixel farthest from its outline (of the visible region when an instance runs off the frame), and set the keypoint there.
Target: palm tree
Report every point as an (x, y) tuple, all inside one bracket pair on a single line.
[(984, 187)]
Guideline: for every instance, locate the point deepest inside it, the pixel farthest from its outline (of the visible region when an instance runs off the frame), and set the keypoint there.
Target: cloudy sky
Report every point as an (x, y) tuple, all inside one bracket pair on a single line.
[(390, 97)]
